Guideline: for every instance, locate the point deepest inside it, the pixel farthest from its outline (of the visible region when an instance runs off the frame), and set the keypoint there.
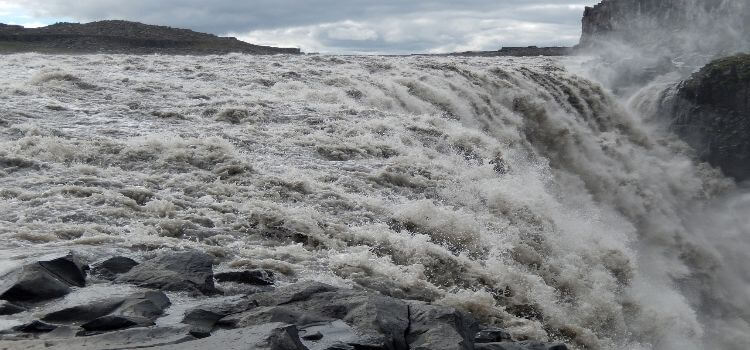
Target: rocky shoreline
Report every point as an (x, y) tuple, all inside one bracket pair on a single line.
[(264, 315), (123, 37)]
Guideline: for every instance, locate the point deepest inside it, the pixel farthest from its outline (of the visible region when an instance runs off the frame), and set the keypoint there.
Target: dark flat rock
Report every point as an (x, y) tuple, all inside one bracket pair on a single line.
[(522, 345), (492, 335), (43, 280), (183, 271), (138, 307), (8, 308), (68, 268), (82, 313), (116, 322), (134, 338), (255, 277), (32, 283), (269, 336), (434, 327), (112, 267), (35, 327), (377, 320)]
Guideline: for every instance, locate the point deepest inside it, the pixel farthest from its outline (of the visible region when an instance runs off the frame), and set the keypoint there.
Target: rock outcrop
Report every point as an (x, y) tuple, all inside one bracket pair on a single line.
[(123, 37), (668, 26), (711, 112), (297, 316), (186, 271), (43, 280)]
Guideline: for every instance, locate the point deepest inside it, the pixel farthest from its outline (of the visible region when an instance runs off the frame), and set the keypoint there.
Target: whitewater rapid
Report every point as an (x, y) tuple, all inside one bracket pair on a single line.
[(509, 187)]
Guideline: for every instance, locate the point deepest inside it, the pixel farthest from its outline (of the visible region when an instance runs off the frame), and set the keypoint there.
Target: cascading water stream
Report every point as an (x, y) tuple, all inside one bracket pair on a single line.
[(509, 187)]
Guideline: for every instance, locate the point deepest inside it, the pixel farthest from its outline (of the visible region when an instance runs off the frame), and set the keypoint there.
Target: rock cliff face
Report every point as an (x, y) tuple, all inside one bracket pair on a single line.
[(669, 26), (122, 37), (711, 112)]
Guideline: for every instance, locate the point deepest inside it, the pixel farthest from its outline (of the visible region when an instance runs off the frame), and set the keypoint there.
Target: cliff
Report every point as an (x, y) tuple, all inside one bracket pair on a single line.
[(123, 37), (671, 27), (711, 112)]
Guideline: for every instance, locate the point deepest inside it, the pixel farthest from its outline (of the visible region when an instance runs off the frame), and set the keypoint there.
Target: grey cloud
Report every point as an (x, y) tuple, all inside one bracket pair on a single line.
[(264, 17)]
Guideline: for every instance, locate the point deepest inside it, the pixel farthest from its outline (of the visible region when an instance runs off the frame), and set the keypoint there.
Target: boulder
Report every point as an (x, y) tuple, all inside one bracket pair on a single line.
[(134, 338), (116, 322), (255, 277), (109, 269), (35, 327), (269, 336), (43, 280), (711, 112), (378, 321), (523, 345), (149, 304), (137, 309), (83, 313), (492, 335), (203, 318), (184, 271), (434, 327), (7, 308), (329, 335), (68, 268), (202, 321)]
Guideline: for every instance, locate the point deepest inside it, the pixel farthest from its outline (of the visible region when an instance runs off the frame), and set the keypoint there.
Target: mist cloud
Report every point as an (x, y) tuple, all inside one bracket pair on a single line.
[(385, 26)]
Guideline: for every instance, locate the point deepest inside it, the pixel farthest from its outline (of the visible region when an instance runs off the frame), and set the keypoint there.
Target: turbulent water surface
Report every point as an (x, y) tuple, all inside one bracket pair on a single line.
[(508, 187)]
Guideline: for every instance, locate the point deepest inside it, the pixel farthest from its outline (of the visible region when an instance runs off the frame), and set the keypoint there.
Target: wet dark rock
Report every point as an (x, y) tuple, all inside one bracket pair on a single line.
[(116, 322), (332, 335), (35, 327), (133, 338), (711, 112), (295, 292), (203, 318), (340, 346), (139, 308), (269, 336), (313, 336), (438, 327), (68, 268), (185, 271), (202, 321), (112, 267), (256, 277), (523, 345), (305, 315), (377, 321), (492, 335), (43, 280), (7, 308), (81, 313), (32, 283), (149, 304)]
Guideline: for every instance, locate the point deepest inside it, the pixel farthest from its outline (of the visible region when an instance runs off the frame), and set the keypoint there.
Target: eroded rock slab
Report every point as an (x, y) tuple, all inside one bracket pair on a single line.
[(269, 336), (43, 280), (184, 271)]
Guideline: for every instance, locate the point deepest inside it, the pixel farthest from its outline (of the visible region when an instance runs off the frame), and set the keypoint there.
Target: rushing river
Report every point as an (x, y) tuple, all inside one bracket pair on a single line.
[(506, 186)]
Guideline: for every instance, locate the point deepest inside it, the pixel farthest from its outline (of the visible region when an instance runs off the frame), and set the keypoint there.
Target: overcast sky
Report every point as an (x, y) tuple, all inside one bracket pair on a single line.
[(336, 26)]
